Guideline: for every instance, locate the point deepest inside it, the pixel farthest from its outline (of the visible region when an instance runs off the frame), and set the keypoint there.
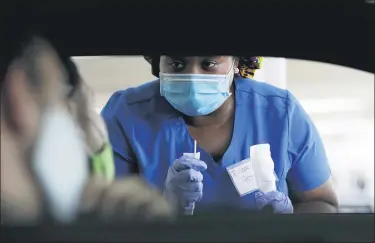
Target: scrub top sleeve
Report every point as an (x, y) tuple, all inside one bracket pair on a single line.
[(309, 163), (124, 160)]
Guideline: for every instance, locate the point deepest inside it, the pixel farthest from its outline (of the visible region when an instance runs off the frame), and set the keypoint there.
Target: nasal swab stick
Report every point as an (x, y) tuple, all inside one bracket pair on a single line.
[(196, 154)]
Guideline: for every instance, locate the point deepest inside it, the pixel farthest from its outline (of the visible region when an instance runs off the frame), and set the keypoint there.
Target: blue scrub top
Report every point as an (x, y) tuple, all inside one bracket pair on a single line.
[(147, 135)]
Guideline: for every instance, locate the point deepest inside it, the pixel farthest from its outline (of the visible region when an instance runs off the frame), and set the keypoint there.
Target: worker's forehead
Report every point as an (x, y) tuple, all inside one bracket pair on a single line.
[(194, 58)]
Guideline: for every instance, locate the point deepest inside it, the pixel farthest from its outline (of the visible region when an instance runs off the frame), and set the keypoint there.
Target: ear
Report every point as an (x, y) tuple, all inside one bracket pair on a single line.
[(236, 62), (235, 65)]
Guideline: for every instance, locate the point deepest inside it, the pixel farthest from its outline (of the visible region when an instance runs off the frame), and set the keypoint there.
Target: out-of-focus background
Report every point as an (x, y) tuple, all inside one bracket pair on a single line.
[(340, 101)]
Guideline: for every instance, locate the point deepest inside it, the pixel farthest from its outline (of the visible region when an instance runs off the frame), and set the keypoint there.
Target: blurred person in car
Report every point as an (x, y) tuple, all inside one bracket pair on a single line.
[(43, 163), (214, 101)]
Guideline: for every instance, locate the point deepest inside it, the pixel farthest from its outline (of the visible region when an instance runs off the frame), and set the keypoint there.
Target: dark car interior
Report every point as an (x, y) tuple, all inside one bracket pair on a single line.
[(334, 32)]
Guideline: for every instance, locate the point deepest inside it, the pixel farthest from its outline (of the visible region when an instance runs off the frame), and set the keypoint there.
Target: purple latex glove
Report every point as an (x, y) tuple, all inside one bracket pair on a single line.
[(184, 183), (279, 202)]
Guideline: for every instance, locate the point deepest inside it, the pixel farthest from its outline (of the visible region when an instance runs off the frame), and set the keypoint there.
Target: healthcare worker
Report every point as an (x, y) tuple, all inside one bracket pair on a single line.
[(212, 100)]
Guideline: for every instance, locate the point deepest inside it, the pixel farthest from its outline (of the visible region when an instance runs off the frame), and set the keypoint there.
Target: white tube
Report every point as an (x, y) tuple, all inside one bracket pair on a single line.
[(190, 208)]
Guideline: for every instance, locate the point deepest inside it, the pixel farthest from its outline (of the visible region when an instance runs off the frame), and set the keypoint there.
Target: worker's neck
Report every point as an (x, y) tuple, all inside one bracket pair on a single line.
[(216, 118)]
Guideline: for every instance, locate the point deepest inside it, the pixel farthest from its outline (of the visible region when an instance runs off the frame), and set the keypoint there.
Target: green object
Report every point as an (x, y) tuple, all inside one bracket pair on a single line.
[(103, 163)]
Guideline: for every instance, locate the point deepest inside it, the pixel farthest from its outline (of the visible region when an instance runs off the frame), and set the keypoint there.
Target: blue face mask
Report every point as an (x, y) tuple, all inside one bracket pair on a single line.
[(196, 94)]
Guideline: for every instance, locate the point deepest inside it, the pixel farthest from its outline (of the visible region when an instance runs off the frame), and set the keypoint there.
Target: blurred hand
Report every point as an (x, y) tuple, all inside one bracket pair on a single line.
[(125, 199), (91, 123)]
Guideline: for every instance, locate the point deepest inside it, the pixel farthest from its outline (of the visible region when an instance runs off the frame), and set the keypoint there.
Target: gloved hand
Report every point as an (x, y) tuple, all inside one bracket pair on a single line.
[(279, 202), (183, 185)]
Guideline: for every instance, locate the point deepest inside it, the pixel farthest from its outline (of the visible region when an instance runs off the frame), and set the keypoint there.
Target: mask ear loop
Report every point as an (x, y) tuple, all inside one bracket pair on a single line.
[(228, 74)]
